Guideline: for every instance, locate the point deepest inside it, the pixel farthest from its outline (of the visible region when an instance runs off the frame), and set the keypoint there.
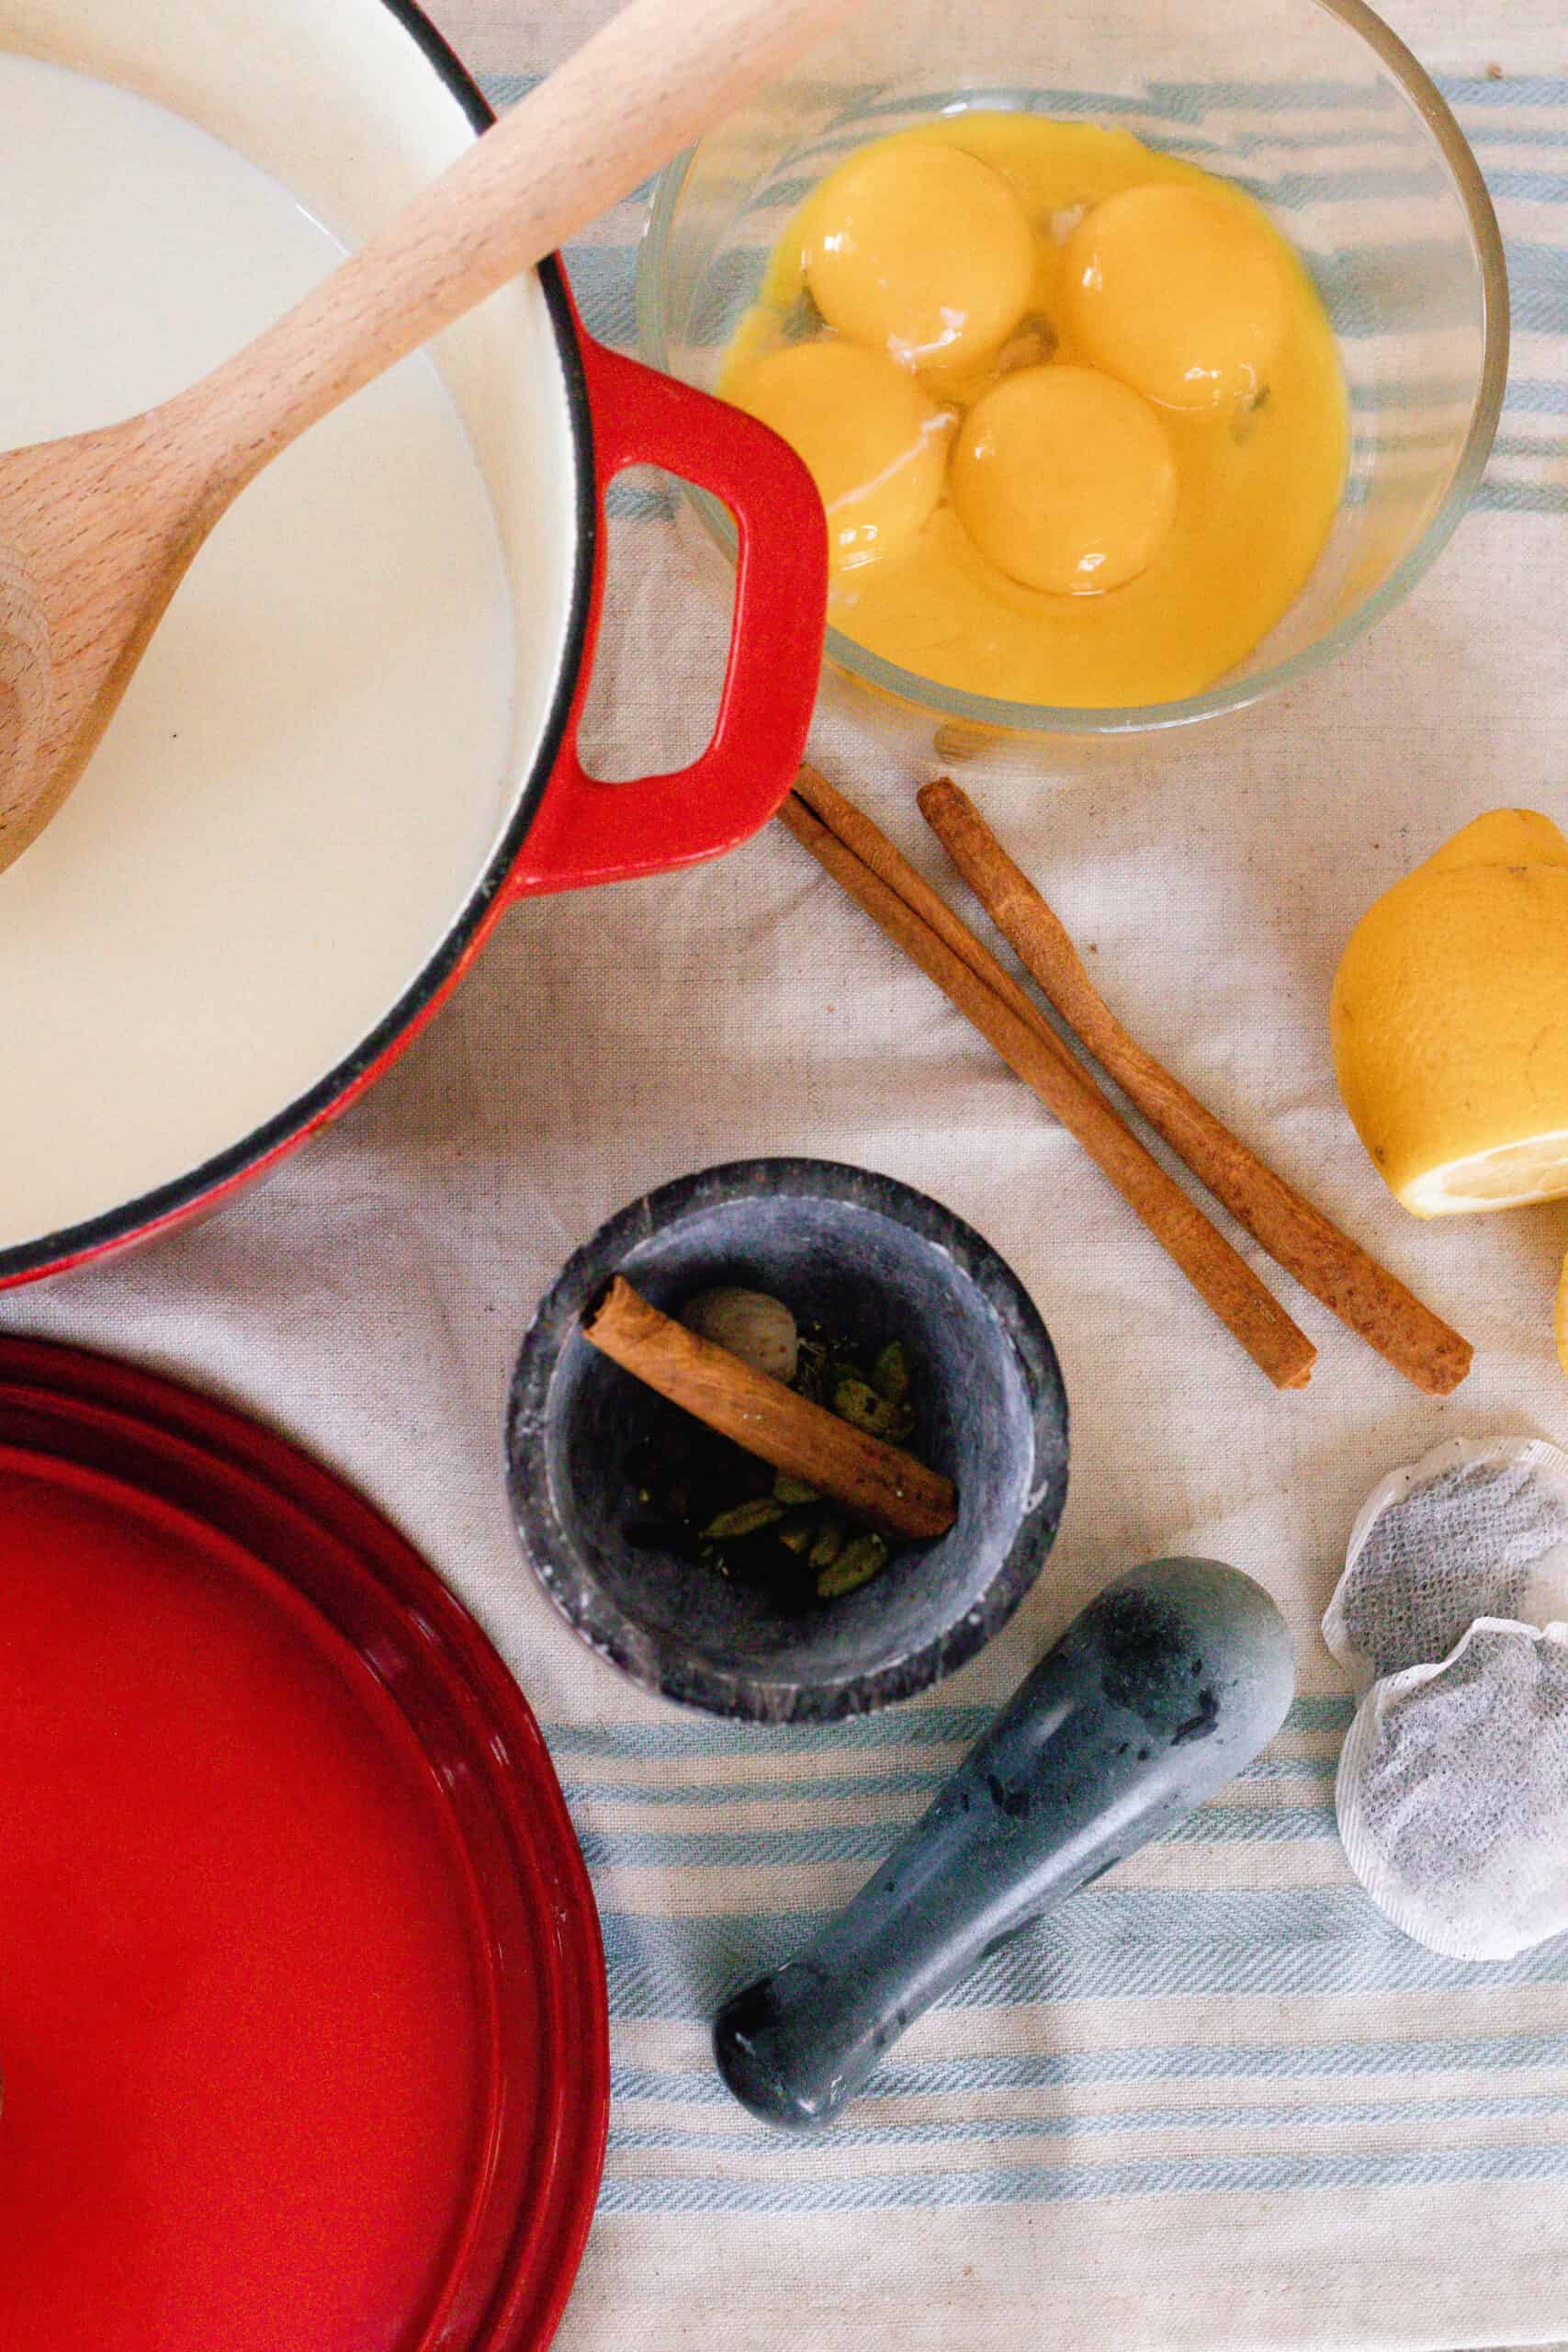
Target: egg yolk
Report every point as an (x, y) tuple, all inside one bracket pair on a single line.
[(1100, 409), (1065, 479), (920, 251), (876, 446), (1178, 291)]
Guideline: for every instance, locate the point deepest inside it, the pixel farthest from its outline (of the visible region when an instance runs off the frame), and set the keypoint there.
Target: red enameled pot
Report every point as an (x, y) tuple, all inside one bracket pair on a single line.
[(353, 108)]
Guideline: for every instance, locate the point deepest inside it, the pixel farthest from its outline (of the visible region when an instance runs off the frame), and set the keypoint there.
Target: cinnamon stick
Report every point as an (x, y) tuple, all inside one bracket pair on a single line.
[(1325, 1260), (880, 1484), (1219, 1273), (871, 846)]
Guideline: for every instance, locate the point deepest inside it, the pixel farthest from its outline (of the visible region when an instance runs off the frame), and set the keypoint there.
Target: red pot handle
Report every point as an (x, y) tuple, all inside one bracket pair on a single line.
[(586, 831)]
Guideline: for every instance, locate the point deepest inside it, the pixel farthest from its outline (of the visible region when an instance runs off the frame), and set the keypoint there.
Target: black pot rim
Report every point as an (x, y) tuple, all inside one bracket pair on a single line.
[(736, 1694), (165, 1204)]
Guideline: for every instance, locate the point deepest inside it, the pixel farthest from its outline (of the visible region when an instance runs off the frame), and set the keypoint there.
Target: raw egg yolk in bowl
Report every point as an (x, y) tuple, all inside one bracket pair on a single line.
[(1075, 408)]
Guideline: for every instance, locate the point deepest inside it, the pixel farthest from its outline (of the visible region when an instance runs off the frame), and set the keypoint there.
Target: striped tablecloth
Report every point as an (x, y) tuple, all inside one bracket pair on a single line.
[(1217, 2102)]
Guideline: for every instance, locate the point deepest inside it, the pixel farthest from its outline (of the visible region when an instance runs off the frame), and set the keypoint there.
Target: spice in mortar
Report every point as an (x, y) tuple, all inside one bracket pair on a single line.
[(701, 1496)]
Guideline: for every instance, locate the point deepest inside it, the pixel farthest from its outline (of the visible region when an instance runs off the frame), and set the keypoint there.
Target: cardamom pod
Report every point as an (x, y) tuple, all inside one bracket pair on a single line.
[(746, 1518), (830, 1533), (793, 1490), (858, 1561), (857, 1402)]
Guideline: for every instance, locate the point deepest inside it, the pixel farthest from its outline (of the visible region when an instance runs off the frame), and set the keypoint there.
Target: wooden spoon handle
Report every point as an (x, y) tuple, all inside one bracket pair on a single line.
[(644, 85)]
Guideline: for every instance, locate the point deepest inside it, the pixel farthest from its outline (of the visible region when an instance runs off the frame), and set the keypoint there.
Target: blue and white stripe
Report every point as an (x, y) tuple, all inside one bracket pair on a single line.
[(1260, 1977), (1519, 129)]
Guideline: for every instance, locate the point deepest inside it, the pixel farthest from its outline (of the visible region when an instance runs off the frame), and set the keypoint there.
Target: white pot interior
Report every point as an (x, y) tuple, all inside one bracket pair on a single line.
[(342, 106)]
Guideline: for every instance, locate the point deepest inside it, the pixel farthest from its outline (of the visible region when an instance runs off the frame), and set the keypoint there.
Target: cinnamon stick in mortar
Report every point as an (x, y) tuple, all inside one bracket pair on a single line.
[(1325, 1261), (1221, 1276), (879, 1484)]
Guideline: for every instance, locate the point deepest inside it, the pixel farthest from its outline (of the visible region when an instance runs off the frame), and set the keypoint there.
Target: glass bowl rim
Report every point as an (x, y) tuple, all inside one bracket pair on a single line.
[(993, 714)]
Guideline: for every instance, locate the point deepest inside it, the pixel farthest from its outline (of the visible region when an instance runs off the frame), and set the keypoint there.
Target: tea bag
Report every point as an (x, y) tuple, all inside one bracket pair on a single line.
[(1477, 1529), (1452, 1792), (1451, 1618)]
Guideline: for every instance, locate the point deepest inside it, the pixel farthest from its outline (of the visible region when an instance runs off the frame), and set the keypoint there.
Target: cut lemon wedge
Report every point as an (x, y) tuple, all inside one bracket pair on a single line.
[(1450, 1023), (1506, 1177)]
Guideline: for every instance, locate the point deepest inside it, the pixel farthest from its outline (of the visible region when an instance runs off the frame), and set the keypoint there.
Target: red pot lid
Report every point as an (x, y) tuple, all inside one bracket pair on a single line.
[(302, 2015)]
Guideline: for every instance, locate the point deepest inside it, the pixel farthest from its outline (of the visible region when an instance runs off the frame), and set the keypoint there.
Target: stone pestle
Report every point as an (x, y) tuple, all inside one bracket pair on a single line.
[(1170, 1681)]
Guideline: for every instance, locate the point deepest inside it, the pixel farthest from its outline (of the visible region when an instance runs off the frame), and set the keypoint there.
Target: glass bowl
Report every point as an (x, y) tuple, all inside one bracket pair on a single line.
[(1313, 106)]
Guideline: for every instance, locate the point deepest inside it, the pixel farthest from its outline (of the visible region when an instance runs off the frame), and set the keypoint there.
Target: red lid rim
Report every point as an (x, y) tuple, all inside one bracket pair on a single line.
[(103, 1412)]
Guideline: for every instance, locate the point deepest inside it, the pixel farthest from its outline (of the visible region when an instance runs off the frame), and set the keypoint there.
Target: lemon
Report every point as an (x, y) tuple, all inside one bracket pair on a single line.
[(1450, 1022), (1503, 837)]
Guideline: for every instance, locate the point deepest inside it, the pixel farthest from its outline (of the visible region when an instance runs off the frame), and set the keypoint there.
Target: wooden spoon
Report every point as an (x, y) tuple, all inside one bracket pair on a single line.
[(96, 531)]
